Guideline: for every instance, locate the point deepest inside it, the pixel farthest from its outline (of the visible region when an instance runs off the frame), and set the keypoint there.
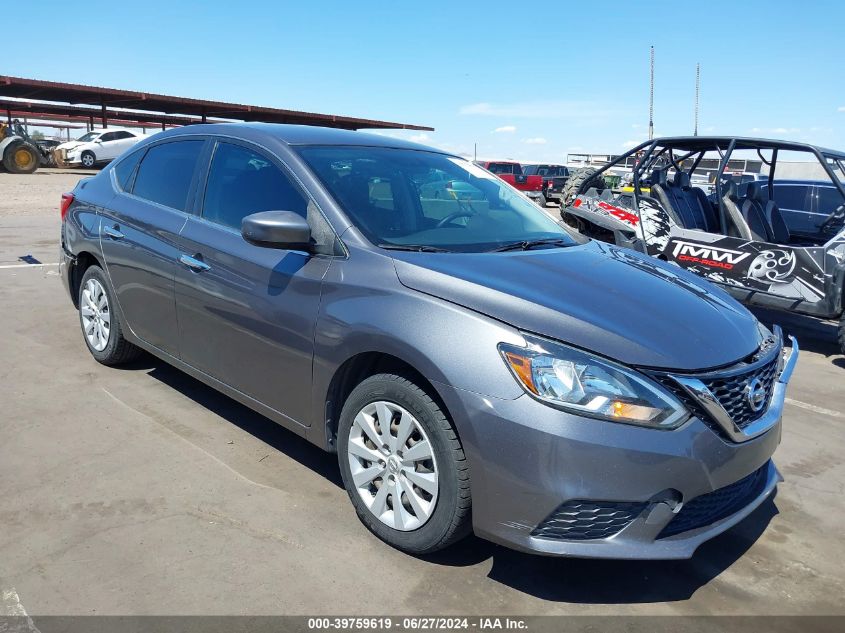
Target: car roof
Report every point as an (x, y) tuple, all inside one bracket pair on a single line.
[(698, 143), (301, 135)]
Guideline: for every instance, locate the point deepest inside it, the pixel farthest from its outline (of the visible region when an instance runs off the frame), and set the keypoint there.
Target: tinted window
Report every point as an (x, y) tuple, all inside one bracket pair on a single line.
[(108, 136), (121, 135), (124, 169), (165, 173), (828, 200), (791, 196), (501, 168), (242, 182)]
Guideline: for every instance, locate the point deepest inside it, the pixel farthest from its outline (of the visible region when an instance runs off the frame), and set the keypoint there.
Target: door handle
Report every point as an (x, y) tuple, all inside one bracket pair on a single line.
[(112, 232), (197, 265)]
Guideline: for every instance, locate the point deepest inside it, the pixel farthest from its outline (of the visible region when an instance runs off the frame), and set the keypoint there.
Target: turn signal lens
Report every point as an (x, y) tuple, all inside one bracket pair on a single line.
[(521, 366)]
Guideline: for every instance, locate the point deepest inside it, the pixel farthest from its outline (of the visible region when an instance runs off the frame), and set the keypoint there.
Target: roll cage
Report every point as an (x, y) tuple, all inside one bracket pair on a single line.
[(675, 152)]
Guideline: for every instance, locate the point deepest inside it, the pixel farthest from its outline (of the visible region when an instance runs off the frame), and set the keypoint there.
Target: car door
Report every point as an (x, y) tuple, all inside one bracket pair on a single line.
[(107, 146), (246, 313), (139, 235), (795, 202), (122, 141)]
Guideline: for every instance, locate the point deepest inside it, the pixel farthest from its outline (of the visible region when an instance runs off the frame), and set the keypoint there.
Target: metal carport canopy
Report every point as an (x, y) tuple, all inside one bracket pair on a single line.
[(22, 88)]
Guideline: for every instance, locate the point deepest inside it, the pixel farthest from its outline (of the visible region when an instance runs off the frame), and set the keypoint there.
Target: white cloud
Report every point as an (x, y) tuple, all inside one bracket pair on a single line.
[(537, 140), (575, 148), (840, 109), (775, 130), (540, 110), (629, 144), (508, 129), (420, 138)]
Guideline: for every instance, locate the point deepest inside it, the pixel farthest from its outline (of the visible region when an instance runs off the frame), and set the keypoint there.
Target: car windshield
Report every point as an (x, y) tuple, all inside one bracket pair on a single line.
[(402, 198), (88, 137)]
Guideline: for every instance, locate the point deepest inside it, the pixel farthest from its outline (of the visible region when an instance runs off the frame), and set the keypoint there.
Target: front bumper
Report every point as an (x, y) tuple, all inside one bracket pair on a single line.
[(527, 459)]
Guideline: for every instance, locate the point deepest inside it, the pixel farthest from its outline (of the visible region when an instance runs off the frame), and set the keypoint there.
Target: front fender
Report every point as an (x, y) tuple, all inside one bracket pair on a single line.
[(366, 309)]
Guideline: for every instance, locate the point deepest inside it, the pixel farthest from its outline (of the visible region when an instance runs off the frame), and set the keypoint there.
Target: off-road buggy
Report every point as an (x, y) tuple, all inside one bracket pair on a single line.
[(777, 240)]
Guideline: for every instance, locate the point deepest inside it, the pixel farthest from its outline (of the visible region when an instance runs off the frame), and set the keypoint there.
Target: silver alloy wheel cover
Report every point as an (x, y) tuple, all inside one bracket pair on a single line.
[(395, 475), (88, 160), (96, 316)]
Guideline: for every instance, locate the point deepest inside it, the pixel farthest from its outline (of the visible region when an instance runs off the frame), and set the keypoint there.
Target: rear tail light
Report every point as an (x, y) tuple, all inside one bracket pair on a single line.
[(67, 199)]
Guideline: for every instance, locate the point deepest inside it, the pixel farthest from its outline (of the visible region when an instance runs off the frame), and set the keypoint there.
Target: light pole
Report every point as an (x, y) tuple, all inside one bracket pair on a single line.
[(651, 99)]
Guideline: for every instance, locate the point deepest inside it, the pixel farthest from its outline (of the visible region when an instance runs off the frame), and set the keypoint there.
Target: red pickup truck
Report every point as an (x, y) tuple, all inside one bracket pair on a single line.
[(511, 173)]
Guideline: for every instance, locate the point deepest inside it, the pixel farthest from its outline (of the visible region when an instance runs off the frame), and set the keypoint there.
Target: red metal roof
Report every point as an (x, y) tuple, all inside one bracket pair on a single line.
[(154, 104)]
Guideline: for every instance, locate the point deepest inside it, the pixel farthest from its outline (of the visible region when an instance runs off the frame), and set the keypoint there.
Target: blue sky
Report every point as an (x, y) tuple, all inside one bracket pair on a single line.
[(522, 80)]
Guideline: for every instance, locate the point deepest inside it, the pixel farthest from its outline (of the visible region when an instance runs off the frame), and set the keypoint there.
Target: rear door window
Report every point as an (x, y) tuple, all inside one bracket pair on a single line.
[(166, 173), (124, 170)]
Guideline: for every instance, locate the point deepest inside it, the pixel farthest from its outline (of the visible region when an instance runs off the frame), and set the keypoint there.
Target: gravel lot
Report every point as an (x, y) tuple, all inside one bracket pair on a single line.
[(141, 491)]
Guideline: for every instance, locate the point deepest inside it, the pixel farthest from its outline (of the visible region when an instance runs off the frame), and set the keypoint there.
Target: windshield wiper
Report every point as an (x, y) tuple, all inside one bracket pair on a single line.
[(417, 248), (529, 244)]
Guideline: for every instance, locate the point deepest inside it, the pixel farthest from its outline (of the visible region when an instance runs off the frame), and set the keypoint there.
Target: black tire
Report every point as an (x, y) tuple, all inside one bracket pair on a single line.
[(21, 158), (88, 156), (842, 333), (575, 181), (450, 520), (117, 350), (542, 201)]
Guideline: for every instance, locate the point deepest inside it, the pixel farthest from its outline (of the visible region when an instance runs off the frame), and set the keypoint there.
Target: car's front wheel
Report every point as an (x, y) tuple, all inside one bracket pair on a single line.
[(88, 159), (101, 327), (403, 465)]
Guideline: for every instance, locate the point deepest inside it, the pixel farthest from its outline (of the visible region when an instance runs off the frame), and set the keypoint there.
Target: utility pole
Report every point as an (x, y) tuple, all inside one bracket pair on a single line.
[(651, 99), (697, 86)]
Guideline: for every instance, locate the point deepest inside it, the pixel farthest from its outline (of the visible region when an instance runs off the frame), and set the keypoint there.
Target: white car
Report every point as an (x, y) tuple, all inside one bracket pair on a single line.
[(98, 146)]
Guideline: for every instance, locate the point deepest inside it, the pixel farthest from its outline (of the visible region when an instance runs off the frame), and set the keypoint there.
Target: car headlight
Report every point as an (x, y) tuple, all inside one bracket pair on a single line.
[(587, 385)]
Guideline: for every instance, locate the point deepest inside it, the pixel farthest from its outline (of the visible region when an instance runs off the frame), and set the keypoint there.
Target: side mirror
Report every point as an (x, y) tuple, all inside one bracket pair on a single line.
[(277, 229)]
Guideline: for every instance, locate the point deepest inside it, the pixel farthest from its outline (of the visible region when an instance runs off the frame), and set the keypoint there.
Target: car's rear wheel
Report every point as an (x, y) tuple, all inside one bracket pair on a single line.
[(842, 333), (403, 465), (88, 159), (101, 327), (20, 158), (541, 201)]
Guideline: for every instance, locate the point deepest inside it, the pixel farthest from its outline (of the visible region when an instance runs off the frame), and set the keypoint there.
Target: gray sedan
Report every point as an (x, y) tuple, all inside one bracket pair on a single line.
[(474, 365)]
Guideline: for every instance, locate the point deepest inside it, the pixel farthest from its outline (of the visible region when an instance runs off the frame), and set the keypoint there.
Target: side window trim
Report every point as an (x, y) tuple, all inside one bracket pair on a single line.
[(131, 182), (204, 166)]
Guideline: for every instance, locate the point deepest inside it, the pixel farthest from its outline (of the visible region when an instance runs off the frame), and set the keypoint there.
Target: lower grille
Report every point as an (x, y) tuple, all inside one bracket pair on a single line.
[(717, 505), (580, 520)]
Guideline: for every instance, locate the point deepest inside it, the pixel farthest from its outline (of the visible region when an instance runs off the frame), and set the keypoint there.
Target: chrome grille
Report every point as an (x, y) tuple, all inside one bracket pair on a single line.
[(580, 520), (735, 401), (730, 391)]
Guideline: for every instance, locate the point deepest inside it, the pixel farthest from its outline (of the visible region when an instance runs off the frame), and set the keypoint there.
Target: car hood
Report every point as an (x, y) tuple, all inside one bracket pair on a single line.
[(615, 302), (70, 145)]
